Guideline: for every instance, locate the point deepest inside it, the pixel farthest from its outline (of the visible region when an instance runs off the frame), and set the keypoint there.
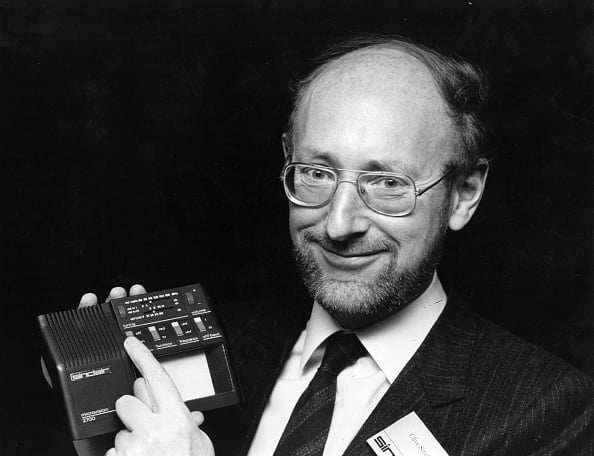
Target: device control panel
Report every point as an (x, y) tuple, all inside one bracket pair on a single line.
[(169, 321)]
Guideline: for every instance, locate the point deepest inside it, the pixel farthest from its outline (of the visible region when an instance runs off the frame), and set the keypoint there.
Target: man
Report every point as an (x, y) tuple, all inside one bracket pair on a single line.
[(382, 157)]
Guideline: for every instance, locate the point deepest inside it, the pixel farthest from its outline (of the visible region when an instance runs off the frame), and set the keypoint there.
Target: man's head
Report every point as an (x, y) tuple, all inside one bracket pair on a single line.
[(394, 107)]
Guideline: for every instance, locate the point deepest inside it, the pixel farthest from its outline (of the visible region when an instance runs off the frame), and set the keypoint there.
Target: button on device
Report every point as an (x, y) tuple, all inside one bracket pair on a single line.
[(177, 329), (122, 311), (200, 324), (154, 333), (129, 334), (190, 297)]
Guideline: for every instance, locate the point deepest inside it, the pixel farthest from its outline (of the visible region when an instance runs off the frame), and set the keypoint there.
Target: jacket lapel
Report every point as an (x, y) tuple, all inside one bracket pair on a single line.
[(433, 378)]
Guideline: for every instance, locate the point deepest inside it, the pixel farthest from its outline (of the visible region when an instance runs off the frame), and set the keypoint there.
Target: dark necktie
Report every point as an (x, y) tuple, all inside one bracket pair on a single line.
[(307, 429)]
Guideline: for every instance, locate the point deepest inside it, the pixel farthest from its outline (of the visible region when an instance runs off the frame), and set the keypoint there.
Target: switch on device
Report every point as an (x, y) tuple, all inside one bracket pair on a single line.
[(200, 324), (177, 329), (154, 333)]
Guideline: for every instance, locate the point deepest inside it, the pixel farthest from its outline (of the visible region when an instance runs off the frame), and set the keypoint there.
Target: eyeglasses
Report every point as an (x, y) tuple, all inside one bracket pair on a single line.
[(391, 194)]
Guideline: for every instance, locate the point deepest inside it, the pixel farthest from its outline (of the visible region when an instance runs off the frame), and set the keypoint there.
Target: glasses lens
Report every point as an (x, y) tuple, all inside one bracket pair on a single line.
[(389, 194), (309, 185)]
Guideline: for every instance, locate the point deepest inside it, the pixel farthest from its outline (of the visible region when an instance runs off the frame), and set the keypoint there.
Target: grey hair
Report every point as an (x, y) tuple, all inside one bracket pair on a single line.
[(462, 86)]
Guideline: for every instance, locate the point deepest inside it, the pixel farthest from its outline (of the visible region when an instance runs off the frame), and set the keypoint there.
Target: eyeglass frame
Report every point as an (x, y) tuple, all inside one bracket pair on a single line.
[(417, 191)]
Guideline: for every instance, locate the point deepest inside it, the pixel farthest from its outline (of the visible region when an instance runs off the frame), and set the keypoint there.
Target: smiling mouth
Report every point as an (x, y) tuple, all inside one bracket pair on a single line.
[(352, 254), (349, 261)]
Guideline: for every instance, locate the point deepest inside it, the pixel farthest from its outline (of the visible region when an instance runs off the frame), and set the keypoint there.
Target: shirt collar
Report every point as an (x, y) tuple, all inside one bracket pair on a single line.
[(392, 341)]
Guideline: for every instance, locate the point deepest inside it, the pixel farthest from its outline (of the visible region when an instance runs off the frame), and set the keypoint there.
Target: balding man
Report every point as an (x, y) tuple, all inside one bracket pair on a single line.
[(382, 156)]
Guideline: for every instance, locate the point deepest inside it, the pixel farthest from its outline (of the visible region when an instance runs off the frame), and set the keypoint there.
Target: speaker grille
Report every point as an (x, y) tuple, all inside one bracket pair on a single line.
[(83, 336)]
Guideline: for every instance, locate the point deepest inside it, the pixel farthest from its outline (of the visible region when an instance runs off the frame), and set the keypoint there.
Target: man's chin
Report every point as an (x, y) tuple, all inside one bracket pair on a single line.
[(355, 304), (364, 295), (346, 297)]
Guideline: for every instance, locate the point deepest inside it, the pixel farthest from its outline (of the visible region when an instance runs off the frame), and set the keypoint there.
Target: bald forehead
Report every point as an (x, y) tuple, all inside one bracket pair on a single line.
[(377, 70), (388, 74), (363, 66), (380, 103)]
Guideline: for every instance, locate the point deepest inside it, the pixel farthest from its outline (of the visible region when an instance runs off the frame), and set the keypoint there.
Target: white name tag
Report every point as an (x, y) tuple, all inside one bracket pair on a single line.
[(406, 437)]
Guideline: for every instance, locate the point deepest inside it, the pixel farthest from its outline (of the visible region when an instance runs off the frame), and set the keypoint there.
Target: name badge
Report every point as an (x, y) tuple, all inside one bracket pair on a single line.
[(406, 437)]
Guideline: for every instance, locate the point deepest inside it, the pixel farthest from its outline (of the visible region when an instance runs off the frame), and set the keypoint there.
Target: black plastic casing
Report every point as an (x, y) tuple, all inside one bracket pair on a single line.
[(84, 353)]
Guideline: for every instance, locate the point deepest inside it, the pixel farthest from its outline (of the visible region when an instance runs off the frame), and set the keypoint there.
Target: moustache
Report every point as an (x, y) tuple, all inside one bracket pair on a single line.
[(348, 247)]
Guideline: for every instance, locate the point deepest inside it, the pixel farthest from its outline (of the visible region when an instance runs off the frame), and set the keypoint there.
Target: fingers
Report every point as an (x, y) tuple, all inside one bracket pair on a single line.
[(111, 452), (198, 418), (116, 292), (87, 300), (131, 410), (90, 299), (141, 392), (137, 289), (122, 439), (159, 385)]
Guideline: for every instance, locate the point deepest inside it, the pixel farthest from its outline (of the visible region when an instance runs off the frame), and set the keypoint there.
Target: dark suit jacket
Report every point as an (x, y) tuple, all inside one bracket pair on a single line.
[(479, 389)]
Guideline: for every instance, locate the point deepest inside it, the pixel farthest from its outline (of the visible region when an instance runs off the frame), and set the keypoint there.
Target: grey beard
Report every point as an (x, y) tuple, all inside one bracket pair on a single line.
[(387, 293)]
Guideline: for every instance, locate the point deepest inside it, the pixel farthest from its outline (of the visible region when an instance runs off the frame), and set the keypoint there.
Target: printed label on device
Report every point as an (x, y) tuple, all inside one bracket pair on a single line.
[(406, 437)]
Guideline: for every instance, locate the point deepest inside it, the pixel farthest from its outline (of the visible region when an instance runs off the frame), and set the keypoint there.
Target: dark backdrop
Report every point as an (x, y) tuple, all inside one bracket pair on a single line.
[(140, 142)]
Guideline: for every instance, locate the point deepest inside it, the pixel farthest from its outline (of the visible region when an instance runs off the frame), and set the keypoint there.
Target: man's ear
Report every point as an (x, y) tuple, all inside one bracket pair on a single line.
[(466, 196), (287, 149)]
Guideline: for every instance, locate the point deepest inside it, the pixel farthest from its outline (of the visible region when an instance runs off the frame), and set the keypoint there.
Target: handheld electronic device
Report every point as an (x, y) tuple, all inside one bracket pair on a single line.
[(84, 353)]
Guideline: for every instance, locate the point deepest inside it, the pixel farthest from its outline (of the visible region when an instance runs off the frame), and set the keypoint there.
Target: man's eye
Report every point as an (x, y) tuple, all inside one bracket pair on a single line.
[(316, 174), (387, 183)]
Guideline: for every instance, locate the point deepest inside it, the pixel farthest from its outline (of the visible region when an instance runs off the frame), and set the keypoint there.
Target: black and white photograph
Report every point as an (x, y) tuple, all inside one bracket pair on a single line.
[(297, 228)]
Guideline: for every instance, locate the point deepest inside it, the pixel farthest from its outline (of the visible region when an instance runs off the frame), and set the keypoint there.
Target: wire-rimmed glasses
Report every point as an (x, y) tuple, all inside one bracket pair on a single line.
[(387, 193)]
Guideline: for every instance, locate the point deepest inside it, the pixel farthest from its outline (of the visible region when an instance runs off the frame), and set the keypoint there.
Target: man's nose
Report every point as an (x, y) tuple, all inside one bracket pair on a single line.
[(347, 212)]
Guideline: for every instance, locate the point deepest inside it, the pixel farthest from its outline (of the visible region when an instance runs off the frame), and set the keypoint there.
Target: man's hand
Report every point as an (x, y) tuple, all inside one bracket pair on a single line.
[(90, 299), (158, 422)]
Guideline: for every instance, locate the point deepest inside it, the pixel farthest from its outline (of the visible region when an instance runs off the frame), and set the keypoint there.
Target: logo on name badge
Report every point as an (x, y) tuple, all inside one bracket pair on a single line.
[(406, 437), (382, 443)]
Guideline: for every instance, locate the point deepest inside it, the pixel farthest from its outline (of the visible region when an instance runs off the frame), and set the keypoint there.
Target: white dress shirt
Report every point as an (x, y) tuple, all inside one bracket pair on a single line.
[(390, 344)]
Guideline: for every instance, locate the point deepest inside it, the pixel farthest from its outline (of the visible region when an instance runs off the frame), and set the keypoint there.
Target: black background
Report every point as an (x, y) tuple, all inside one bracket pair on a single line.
[(140, 142)]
